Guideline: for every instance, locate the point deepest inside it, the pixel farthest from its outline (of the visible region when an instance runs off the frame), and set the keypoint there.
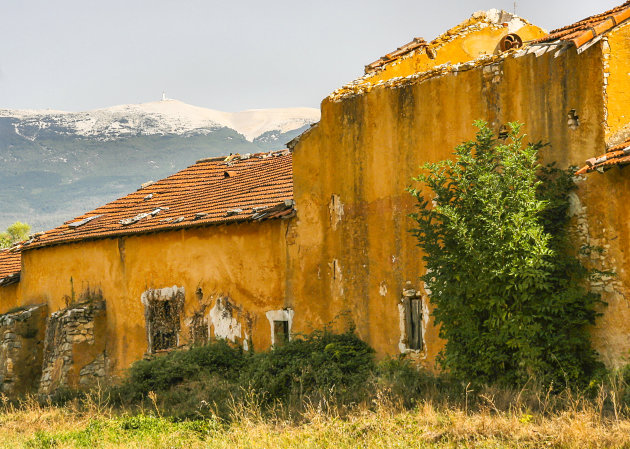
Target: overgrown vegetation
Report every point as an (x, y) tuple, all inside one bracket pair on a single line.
[(17, 232), (320, 390), (508, 288), (204, 380), (397, 405)]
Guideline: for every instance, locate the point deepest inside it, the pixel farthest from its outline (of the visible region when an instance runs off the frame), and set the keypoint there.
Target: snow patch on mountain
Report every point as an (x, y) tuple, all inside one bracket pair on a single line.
[(158, 118)]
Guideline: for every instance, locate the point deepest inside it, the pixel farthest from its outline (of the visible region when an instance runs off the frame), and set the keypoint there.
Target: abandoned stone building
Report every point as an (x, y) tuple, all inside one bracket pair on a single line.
[(255, 248)]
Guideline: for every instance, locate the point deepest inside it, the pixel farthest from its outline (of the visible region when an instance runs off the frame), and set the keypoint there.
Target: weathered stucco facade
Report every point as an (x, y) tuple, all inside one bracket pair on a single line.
[(369, 145), (337, 248), (206, 263)]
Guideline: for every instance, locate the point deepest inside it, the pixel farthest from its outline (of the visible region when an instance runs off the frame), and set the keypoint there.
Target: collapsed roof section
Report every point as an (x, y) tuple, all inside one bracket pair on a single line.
[(501, 20), (252, 187), (483, 35), (10, 266)]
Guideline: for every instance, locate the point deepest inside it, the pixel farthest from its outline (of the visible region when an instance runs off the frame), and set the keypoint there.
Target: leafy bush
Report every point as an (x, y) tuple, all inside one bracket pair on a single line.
[(209, 395), (162, 373), (507, 286), (321, 362), (203, 380), (404, 380)]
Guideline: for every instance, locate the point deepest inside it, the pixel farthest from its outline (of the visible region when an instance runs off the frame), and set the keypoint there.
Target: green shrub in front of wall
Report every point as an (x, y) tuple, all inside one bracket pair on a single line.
[(503, 275), (320, 363)]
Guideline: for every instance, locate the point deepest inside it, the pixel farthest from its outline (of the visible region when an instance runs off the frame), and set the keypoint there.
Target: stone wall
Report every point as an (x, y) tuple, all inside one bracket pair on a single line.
[(75, 347), (21, 348)]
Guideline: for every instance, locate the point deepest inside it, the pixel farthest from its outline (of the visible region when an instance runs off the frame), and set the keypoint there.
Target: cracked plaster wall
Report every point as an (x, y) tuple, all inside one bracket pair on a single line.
[(602, 218), (246, 261)]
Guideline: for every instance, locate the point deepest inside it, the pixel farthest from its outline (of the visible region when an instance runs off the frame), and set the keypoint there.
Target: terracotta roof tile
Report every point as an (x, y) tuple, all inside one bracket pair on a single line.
[(584, 31), (10, 266), (212, 191), (619, 155)]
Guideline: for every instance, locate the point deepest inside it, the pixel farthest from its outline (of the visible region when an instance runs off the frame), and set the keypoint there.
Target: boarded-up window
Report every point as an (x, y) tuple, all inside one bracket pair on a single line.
[(163, 308), (280, 332), (413, 319), (164, 325)]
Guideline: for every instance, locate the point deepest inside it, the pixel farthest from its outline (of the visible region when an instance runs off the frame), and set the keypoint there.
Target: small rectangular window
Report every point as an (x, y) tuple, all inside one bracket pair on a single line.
[(163, 324), (280, 332), (413, 312)]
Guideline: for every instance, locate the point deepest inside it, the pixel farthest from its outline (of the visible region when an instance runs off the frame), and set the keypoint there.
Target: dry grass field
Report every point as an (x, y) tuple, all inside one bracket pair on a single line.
[(497, 421)]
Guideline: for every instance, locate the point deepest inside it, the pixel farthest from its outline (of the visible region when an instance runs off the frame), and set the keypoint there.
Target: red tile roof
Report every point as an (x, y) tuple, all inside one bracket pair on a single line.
[(619, 156), (584, 31), (10, 266), (212, 191)]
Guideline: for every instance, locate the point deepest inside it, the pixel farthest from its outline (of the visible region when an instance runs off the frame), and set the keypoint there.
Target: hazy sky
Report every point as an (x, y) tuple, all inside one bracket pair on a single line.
[(229, 55)]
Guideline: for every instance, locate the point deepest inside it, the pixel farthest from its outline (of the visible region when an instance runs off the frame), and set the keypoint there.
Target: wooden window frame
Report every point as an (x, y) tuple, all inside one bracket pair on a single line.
[(413, 323)]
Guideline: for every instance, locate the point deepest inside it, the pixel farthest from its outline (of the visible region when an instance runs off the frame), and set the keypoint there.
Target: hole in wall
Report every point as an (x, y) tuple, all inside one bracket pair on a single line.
[(573, 119), (503, 132)]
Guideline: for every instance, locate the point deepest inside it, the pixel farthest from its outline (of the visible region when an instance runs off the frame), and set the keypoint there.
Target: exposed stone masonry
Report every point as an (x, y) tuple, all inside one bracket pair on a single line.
[(72, 354), (21, 343)]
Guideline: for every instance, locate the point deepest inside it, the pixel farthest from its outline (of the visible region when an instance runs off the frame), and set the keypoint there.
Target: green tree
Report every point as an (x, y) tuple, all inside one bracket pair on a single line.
[(507, 286), (17, 232)]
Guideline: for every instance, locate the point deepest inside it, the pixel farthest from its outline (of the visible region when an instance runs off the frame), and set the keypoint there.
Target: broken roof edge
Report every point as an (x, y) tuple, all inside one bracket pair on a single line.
[(11, 279), (357, 88), (237, 157), (496, 17), (287, 213), (601, 24), (615, 156), (10, 257)]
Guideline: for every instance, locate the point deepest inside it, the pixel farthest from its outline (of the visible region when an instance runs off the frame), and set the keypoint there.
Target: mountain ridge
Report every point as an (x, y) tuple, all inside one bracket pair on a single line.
[(55, 165), (161, 117)]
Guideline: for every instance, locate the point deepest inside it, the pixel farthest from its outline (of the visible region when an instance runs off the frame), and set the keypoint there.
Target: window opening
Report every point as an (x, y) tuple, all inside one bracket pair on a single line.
[(413, 309), (280, 332), (163, 320)]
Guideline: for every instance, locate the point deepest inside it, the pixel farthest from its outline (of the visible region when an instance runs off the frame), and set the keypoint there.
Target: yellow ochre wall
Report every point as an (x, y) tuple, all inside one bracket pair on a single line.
[(606, 215), (243, 261), (367, 148), (617, 68), (9, 297)]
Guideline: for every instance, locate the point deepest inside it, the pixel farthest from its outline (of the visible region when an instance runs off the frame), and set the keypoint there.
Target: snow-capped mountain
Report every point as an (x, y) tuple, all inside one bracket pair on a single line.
[(158, 118), (55, 165)]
